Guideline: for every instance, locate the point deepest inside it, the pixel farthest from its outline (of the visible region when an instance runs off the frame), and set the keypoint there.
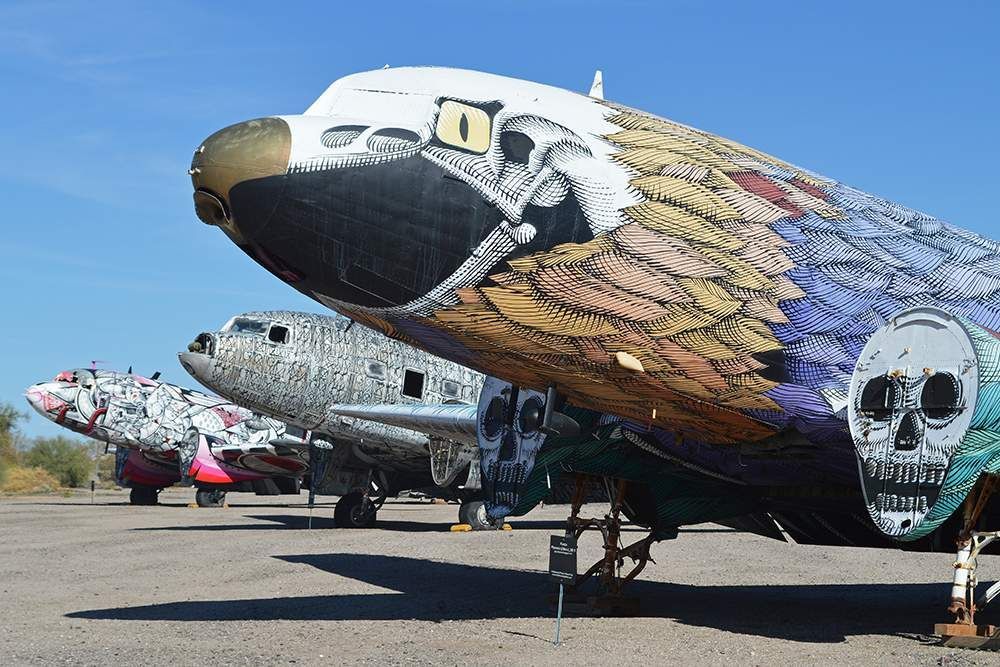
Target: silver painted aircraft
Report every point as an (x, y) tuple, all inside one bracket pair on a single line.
[(302, 368)]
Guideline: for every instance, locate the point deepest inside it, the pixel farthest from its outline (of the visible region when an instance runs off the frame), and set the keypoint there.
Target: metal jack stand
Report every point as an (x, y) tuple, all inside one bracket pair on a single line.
[(609, 600), (963, 632)]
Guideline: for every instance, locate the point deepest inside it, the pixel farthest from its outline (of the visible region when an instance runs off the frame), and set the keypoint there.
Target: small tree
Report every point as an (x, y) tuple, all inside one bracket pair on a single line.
[(9, 417), (69, 460)]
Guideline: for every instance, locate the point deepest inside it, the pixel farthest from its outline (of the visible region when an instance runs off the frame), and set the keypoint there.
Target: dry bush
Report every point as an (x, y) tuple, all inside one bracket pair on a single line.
[(29, 480)]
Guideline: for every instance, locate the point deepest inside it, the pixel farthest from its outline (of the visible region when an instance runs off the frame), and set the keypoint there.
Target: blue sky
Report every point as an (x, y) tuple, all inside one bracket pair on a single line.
[(101, 256)]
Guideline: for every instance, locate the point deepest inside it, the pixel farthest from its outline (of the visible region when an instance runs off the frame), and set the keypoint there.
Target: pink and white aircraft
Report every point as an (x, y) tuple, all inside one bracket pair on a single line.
[(165, 434)]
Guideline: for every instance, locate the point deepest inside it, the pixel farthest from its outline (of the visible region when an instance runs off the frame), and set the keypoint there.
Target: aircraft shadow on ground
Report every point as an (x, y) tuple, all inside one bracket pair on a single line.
[(438, 591), (301, 521), (325, 521)]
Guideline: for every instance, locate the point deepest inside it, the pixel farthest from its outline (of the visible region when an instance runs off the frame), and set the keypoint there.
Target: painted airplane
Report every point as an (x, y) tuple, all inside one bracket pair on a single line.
[(724, 331), (164, 434), (300, 368)]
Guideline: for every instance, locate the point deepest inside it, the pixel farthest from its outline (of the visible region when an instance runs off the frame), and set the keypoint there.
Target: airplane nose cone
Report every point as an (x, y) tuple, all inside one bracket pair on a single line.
[(34, 396), (243, 152), (43, 398), (196, 364)]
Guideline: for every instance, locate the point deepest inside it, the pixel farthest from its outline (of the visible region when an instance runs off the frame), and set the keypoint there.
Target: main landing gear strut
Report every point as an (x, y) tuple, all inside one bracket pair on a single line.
[(963, 632), (607, 572), (358, 508)]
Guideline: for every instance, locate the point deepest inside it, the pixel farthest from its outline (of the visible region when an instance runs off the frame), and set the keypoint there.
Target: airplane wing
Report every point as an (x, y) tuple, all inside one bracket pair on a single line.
[(449, 421)]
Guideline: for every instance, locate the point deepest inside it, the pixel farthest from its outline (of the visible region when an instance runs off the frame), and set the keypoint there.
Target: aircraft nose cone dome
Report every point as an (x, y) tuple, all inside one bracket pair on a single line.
[(242, 152), (34, 395), (196, 364)]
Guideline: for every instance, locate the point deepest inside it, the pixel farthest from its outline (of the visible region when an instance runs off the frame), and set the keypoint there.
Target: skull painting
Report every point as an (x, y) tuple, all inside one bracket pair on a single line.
[(911, 399), (509, 437)]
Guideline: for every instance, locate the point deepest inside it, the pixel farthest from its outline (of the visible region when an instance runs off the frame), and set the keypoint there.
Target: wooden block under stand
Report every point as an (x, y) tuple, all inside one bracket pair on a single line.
[(594, 605), (960, 635)]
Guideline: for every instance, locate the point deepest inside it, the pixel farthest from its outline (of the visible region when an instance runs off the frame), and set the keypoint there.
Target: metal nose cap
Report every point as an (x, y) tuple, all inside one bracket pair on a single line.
[(195, 363), (241, 152)]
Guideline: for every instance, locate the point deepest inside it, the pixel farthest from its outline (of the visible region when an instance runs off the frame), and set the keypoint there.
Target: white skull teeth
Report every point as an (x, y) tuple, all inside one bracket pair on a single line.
[(904, 473), (890, 502)]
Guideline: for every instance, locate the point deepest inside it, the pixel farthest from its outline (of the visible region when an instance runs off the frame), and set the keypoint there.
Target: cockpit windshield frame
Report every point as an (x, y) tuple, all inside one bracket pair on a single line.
[(260, 328)]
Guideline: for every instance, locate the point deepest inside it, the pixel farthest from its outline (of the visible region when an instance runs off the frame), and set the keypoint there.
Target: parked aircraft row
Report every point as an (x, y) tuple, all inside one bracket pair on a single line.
[(533, 284), (722, 333), (283, 376)]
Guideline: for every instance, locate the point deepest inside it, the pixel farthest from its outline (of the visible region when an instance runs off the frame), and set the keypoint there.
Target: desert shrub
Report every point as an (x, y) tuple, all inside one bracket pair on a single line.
[(106, 470), (68, 460), (29, 480), (9, 417)]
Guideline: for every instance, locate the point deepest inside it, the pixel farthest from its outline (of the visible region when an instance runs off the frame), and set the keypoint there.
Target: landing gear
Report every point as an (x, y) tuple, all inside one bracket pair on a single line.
[(356, 510), (144, 495), (963, 632), (473, 513), (210, 498), (609, 600)]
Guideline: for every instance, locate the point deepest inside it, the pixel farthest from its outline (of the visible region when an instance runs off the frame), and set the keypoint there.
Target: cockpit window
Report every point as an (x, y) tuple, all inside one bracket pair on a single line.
[(81, 376), (244, 325), (450, 388), (278, 334)]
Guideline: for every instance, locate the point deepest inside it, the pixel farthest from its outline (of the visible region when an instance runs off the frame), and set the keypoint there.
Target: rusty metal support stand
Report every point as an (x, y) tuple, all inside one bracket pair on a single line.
[(609, 600)]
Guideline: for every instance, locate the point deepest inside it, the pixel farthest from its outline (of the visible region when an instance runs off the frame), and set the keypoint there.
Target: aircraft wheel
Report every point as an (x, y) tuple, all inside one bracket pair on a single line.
[(354, 511), (210, 498), (473, 512), (144, 495)]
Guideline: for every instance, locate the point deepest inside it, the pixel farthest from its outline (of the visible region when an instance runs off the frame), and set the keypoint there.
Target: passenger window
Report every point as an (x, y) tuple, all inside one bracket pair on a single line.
[(449, 388), (413, 383), (278, 334)]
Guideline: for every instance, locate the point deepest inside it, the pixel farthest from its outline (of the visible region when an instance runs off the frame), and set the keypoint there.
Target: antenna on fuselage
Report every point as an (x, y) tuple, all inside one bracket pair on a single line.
[(597, 87)]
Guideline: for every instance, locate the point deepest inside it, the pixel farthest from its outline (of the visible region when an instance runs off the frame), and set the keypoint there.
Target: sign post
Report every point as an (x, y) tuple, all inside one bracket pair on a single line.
[(562, 569), (312, 498)]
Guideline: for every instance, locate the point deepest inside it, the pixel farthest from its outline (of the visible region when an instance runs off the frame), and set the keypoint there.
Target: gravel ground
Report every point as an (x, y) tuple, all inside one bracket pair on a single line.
[(88, 584)]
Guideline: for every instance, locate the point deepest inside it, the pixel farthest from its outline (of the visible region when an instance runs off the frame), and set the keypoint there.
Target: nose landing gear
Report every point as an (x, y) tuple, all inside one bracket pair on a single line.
[(358, 509)]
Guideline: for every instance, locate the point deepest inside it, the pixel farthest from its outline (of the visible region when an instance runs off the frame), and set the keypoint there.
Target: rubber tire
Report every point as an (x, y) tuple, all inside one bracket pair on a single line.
[(210, 498), (144, 495), (473, 513), (347, 513)]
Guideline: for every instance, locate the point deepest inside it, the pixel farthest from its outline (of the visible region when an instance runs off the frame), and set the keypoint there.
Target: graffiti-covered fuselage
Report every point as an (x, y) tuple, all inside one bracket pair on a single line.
[(203, 439), (297, 366)]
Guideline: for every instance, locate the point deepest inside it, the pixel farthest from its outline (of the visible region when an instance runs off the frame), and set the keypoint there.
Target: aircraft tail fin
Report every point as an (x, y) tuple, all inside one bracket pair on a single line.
[(597, 87)]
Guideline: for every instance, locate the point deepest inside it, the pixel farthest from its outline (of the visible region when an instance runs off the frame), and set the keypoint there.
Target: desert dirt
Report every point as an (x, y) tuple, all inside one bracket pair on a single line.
[(249, 584)]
